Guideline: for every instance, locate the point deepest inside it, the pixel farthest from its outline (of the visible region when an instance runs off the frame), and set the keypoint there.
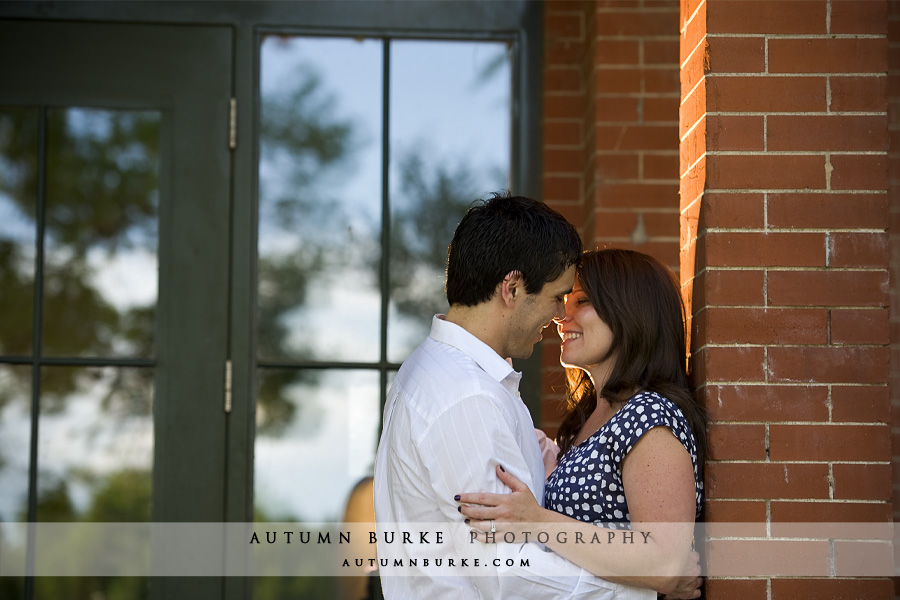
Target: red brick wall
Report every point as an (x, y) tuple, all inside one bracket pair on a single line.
[(611, 95), (784, 200), (782, 191)]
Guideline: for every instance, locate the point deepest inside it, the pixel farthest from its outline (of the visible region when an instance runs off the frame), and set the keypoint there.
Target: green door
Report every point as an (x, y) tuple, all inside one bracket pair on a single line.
[(114, 228)]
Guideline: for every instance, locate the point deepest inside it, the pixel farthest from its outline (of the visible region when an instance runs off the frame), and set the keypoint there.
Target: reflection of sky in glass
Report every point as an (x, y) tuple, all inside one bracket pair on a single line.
[(326, 212), (82, 442), (307, 472), (15, 435)]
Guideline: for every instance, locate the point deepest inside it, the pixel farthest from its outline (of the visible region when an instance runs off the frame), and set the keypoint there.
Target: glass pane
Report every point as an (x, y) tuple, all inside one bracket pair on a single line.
[(101, 268), (15, 440), (320, 200), (95, 444), (313, 428), (450, 145), (18, 200)]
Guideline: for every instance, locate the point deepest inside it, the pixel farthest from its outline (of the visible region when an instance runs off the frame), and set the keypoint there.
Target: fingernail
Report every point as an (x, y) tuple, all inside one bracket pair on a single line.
[(467, 521), (459, 508), (456, 497), (501, 468)]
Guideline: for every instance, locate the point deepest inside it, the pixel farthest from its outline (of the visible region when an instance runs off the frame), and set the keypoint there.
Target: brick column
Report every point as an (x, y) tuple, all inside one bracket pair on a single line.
[(785, 255)]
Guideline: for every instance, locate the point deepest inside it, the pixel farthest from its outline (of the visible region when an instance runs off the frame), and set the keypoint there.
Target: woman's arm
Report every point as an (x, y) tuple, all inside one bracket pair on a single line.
[(658, 477)]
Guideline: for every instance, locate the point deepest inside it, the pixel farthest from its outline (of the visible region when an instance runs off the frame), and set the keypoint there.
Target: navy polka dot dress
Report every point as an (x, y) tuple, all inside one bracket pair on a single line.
[(587, 482)]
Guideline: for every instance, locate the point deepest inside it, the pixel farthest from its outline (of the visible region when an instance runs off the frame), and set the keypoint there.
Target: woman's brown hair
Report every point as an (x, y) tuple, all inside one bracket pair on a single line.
[(638, 297)]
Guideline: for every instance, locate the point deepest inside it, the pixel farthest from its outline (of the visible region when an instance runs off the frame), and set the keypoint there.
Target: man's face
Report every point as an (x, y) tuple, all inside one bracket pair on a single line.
[(536, 311)]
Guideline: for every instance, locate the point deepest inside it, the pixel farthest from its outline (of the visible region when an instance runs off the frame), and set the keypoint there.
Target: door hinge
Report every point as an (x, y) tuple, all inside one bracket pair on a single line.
[(227, 386), (232, 124)]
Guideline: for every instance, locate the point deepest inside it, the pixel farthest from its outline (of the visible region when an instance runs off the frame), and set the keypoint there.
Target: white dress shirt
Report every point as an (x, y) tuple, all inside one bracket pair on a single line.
[(453, 413)]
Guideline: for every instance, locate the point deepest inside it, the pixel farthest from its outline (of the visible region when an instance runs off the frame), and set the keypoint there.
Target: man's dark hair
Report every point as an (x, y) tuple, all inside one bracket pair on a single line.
[(504, 234)]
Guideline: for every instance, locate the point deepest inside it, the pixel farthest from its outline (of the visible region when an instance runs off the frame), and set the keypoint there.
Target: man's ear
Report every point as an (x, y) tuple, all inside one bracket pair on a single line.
[(512, 287)]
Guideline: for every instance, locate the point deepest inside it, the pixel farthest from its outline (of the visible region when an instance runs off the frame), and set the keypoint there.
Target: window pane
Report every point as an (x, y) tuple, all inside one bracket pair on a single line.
[(320, 199), (450, 145), (314, 429), (18, 201), (100, 278), (95, 444), (15, 439)]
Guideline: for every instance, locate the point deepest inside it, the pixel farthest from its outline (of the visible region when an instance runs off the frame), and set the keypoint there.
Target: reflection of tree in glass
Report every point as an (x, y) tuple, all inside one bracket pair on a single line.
[(101, 197), (434, 195), (303, 145)]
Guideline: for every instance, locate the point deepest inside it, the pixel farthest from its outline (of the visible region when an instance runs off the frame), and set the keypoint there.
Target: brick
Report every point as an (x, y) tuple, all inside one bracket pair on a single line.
[(566, 188), (829, 133), (661, 52), (765, 94), (735, 511), (860, 326), (640, 24), (771, 403), (612, 167), (722, 210), (726, 589), (852, 16), (772, 172), (862, 482), (566, 106), (860, 94), (828, 512), (563, 79), (730, 288), (828, 288), (766, 480), (563, 133), (637, 137), (863, 558), (616, 52), (739, 249), (870, 404), (737, 442), (616, 110), (852, 211), (715, 363), (638, 196), (829, 442), (623, 224), (749, 557), (843, 55), (660, 166), (762, 326), (660, 109), (662, 80), (617, 81), (858, 249), (562, 160), (736, 55), (833, 589), (560, 25), (563, 52), (735, 133), (766, 16), (847, 364), (859, 172)]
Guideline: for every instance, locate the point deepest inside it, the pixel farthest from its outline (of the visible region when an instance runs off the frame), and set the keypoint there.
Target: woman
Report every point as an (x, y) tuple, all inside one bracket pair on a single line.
[(633, 440)]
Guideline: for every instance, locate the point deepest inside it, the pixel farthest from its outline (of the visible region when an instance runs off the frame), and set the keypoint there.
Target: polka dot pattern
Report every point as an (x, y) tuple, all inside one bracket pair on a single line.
[(587, 482)]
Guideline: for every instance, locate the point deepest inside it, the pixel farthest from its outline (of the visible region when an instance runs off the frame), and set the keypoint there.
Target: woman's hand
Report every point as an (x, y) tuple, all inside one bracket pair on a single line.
[(502, 512)]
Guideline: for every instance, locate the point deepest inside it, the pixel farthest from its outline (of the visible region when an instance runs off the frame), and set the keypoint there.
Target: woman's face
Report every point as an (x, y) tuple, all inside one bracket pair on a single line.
[(586, 338)]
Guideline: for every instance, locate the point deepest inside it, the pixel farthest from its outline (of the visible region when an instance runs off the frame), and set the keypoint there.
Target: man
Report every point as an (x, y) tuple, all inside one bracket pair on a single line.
[(454, 412)]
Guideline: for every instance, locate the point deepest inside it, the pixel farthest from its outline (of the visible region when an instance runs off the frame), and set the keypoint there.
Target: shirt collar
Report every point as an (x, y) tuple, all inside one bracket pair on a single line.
[(492, 363)]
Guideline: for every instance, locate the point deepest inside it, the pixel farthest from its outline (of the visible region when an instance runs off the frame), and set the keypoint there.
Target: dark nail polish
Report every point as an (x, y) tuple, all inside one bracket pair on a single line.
[(501, 468), (456, 497), (467, 521), (459, 508)]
